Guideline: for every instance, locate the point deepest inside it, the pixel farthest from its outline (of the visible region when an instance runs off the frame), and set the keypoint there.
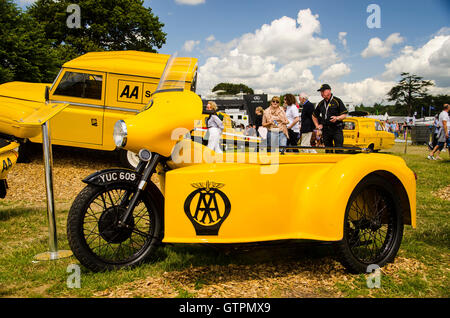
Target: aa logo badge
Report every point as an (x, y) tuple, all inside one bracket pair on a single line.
[(207, 208)]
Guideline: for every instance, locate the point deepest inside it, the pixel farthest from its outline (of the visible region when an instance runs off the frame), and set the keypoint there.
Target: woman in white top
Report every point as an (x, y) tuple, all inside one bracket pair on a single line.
[(215, 128), (293, 117)]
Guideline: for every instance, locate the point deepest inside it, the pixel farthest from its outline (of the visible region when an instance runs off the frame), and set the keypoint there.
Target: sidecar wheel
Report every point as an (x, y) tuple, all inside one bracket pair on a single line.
[(373, 226), (95, 237)]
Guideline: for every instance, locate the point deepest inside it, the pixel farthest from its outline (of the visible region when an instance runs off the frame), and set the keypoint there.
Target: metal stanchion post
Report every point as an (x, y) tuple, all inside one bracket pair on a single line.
[(53, 252), (406, 138)]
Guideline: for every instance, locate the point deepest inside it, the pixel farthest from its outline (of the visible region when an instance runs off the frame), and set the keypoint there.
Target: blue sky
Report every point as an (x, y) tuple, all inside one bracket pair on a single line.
[(285, 46)]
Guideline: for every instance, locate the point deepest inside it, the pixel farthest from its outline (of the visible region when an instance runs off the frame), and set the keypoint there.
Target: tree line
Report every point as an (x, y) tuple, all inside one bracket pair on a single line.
[(36, 42)]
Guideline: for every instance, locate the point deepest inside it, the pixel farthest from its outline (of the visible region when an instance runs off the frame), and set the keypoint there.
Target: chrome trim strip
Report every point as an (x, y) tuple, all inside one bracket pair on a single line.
[(76, 104), (122, 109), (97, 106)]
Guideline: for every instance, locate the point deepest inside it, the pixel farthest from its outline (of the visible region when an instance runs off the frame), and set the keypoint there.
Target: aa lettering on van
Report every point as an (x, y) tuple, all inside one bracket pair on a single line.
[(129, 91), (126, 92), (133, 92)]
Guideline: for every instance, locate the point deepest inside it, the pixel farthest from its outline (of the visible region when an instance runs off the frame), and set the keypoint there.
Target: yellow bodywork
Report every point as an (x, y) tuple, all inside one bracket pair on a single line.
[(8, 158), (303, 196), (258, 196), (162, 126), (365, 132), (128, 79), (23, 109)]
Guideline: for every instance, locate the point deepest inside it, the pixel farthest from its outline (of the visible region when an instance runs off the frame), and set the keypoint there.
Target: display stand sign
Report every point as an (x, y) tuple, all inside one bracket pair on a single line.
[(40, 119)]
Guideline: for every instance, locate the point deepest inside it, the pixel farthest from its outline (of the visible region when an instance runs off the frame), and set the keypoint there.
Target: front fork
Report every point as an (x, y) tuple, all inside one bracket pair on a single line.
[(146, 169)]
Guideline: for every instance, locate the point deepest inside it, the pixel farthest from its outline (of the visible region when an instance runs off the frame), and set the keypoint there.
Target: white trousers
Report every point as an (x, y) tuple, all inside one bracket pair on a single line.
[(214, 139), (306, 142)]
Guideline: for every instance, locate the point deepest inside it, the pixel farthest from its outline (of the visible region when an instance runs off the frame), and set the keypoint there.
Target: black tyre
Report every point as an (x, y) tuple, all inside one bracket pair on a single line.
[(95, 237), (373, 226)]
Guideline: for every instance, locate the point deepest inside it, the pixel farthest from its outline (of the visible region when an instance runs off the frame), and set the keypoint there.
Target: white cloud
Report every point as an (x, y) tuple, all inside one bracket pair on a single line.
[(432, 61), (444, 31), (257, 72), (262, 60), (335, 71), (377, 47), (280, 57), (190, 2), (277, 57), (190, 45), (285, 39), (367, 91), (210, 38), (342, 38)]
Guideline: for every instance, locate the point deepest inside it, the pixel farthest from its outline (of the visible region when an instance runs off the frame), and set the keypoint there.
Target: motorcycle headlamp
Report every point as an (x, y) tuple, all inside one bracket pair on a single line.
[(120, 134)]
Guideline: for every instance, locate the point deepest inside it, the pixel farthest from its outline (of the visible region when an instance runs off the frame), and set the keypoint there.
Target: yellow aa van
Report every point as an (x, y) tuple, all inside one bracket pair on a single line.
[(363, 132), (100, 88)]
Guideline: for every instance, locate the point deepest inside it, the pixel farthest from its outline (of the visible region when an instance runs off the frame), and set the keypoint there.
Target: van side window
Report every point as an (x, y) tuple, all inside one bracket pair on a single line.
[(81, 85), (349, 125), (378, 126)]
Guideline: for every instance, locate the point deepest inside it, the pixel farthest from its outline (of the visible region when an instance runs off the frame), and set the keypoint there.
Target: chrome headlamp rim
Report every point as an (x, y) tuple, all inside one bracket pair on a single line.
[(120, 134)]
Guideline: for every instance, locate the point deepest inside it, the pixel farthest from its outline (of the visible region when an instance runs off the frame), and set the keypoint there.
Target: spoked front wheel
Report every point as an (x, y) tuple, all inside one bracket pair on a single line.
[(97, 238), (373, 226)]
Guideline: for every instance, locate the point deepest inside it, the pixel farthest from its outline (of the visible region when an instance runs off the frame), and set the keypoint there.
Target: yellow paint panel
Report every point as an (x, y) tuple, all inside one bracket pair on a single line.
[(7, 161), (294, 204)]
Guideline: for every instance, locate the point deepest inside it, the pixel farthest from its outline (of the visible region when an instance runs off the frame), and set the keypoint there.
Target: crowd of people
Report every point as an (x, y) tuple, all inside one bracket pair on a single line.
[(302, 124), (285, 126)]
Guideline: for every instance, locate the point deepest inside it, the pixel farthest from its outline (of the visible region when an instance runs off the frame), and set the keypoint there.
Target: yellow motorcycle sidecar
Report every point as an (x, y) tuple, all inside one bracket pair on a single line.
[(8, 159)]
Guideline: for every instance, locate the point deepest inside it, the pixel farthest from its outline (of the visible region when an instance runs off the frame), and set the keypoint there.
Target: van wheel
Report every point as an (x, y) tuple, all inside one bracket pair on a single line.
[(373, 226), (128, 159)]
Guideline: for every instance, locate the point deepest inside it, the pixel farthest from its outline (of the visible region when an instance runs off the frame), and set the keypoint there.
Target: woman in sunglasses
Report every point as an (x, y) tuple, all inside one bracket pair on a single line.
[(275, 120)]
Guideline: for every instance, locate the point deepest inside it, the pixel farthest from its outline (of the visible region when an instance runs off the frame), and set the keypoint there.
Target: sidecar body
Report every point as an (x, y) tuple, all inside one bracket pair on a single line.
[(258, 197)]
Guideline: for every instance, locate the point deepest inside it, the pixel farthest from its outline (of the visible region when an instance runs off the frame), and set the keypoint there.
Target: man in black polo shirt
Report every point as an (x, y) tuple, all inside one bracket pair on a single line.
[(328, 117)]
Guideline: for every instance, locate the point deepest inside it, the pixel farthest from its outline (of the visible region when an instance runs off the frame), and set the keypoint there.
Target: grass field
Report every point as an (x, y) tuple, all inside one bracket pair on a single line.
[(289, 270)]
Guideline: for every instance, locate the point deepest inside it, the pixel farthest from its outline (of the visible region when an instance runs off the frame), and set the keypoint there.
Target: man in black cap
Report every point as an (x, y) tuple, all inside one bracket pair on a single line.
[(328, 117)]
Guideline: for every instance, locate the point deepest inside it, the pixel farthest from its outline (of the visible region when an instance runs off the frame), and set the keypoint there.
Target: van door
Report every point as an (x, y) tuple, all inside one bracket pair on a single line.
[(81, 123), (350, 133), (380, 132)]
